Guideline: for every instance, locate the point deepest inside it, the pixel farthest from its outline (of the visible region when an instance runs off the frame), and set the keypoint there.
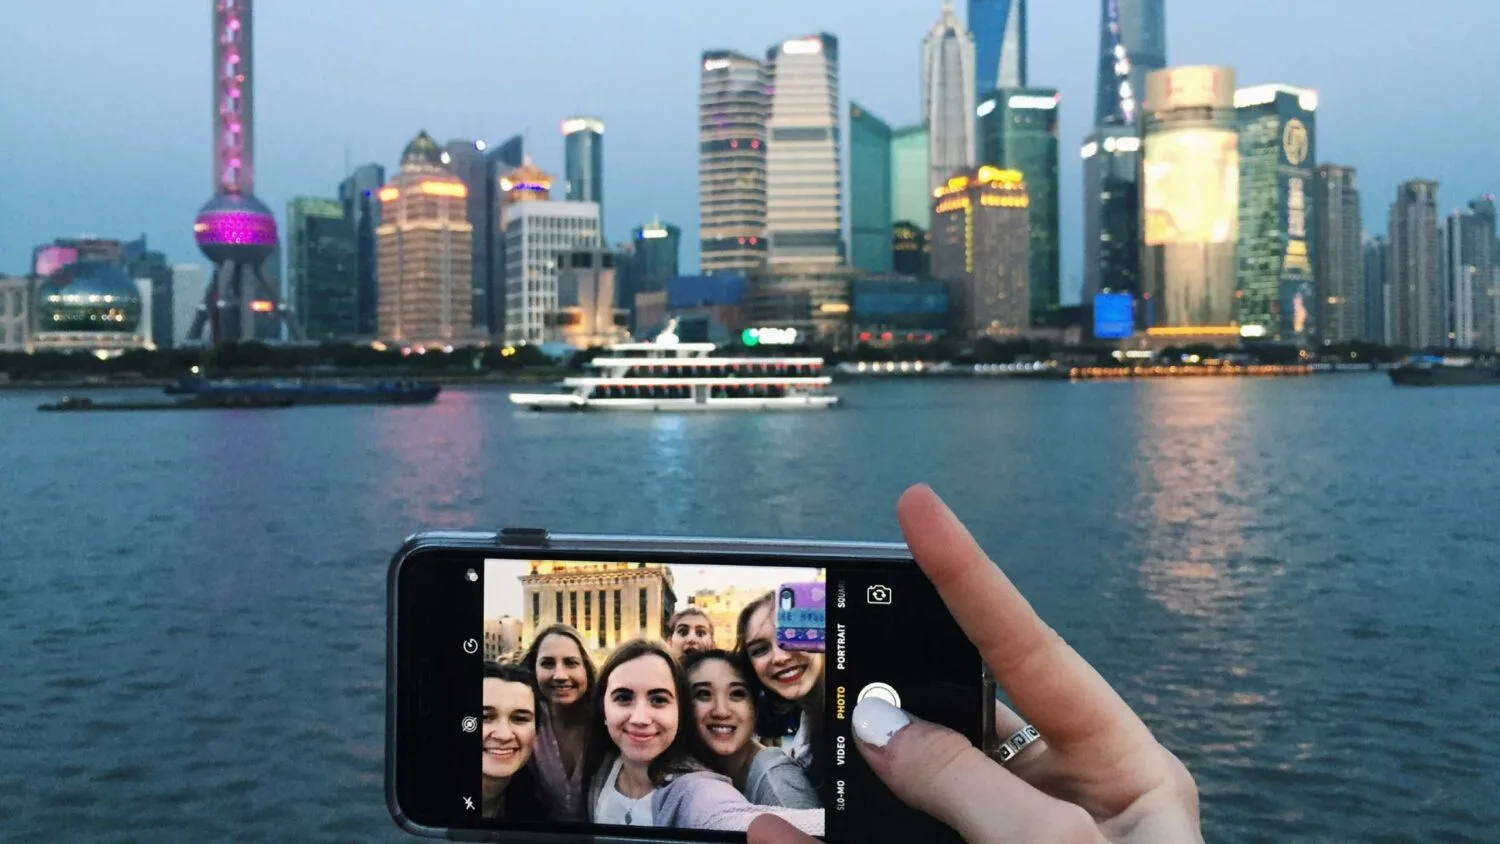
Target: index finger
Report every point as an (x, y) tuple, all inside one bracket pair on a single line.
[(1051, 685)]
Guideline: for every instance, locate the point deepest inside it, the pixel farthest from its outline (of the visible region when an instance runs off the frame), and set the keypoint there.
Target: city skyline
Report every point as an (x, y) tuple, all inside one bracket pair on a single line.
[(367, 109)]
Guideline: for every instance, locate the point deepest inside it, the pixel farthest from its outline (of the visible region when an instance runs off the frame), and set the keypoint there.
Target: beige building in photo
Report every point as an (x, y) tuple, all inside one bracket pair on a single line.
[(608, 603)]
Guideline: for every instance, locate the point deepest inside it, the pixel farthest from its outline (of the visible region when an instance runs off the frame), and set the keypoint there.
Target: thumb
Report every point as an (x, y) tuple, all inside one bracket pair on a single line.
[(938, 771)]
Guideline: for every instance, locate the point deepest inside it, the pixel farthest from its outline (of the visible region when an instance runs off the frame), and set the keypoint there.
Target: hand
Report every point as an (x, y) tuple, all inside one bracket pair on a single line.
[(1097, 776)]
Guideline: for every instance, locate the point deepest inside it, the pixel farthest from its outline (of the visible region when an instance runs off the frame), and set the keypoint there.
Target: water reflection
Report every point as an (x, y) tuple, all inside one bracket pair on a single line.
[(429, 459)]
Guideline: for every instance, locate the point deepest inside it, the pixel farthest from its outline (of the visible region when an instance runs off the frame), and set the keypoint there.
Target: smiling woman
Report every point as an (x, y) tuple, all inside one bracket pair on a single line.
[(565, 675), (508, 736)]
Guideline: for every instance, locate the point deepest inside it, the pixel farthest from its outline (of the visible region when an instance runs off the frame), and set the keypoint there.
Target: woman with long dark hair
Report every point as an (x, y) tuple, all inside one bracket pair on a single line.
[(643, 754), (565, 676), (724, 703), (792, 680), (508, 732)]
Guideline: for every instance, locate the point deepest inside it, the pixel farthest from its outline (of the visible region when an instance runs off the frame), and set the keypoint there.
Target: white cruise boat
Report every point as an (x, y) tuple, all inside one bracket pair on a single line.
[(670, 376)]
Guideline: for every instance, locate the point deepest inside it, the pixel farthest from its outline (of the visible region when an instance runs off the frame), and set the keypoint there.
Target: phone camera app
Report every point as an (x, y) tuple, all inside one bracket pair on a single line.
[(878, 595)]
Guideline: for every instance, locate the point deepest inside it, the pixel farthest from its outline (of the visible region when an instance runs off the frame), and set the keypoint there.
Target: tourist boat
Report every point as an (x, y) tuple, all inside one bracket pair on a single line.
[(306, 393), (1433, 371), (667, 375)]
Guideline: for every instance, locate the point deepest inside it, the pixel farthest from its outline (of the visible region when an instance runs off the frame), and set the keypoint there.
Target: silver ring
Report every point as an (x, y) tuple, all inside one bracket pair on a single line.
[(1022, 739)]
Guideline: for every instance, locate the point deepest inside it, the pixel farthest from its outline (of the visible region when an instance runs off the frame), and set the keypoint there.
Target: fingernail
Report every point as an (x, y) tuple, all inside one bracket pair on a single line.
[(877, 722)]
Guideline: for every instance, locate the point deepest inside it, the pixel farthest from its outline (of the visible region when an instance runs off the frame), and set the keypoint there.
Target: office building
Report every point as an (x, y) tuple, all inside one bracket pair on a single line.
[(733, 109), (587, 316), (653, 255), (887, 311), (1112, 212), (870, 196), (321, 268), (357, 193), (999, 28), (1340, 270), (1278, 238), (537, 233), (804, 182), (499, 162), (1018, 131), (466, 159), (424, 242), (15, 313), (981, 248), (1190, 197), (522, 184), (1377, 289), (810, 299), (609, 604), (189, 283), (948, 97), (911, 196), (583, 157), (1469, 272), (145, 264), (1132, 44), (1417, 298), (911, 250)]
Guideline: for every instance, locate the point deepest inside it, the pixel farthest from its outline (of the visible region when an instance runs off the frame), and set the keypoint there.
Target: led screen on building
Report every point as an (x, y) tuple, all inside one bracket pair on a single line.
[(1191, 190), (1114, 316)]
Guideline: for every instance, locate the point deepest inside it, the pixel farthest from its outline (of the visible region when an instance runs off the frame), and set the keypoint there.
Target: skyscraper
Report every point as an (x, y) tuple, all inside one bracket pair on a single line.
[(583, 148), (654, 259), (362, 209), (424, 244), (467, 161), (948, 97), (537, 233), (189, 284), (499, 161), (733, 108), (870, 195), (999, 28), (1190, 197), (1340, 256), (1278, 236), (911, 250), (321, 268), (1416, 301), (143, 263), (1132, 44), (804, 183), (980, 246), (1112, 212), (1377, 289), (911, 196), (1470, 267), (1018, 131)]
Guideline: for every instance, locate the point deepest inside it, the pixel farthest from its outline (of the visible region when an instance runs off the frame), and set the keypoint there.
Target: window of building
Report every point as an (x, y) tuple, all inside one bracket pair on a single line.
[(588, 610), (559, 619), (643, 612), (573, 608), (602, 626), (536, 609), (618, 635)]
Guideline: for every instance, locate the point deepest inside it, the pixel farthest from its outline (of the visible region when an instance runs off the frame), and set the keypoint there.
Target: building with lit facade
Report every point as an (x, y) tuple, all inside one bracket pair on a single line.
[(1132, 45), (911, 250), (1190, 200), (804, 167), (1112, 212), (424, 240), (87, 306), (870, 196), (1377, 289), (999, 28), (321, 268), (15, 313), (357, 193), (608, 603), (812, 299), (1018, 131), (587, 316), (1278, 238), (1469, 269), (583, 160), (948, 97), (1417, 299), (1340, 269), (981, 248), (911, 196), (537, 234), (887, 311), (733, 109)]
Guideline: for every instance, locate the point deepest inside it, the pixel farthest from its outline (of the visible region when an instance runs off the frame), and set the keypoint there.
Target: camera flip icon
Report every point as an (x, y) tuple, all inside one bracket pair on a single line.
[(878, 595)]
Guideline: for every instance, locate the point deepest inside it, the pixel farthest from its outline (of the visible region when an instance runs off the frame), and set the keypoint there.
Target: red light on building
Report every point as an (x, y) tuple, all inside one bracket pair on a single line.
[(864, 336), (262, 306)]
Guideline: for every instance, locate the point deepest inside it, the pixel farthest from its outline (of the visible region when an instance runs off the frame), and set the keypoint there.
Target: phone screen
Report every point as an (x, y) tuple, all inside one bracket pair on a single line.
[(667, 700)]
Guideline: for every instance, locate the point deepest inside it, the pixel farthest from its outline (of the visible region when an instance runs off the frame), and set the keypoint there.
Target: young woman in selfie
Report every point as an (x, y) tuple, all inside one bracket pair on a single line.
[(641, 756), (565, 675), (508, 733), (724, 712), (791, 680), (689, 631)]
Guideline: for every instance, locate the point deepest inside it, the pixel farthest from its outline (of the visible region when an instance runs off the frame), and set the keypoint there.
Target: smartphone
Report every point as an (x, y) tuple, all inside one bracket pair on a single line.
[(802, 616), (588, 615)]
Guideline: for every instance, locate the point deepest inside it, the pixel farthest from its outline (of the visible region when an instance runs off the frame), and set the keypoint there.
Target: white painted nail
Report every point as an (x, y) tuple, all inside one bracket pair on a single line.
[(877, 722)]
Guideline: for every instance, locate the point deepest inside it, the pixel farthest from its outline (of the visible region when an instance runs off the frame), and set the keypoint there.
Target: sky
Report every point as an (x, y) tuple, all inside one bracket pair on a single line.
[(105, 105)]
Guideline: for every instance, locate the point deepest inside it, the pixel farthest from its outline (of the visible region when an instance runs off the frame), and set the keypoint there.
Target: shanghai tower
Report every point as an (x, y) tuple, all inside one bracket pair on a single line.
[(1132, 43), (234, 229)]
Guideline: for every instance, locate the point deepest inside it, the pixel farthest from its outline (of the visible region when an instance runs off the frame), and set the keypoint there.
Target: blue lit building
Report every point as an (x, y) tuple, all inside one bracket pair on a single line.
[(870, 190), (583, 143), (892, 311)]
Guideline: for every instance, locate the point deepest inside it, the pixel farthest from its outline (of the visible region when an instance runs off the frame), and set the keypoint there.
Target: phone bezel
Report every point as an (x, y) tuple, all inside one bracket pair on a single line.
[(529, 543)]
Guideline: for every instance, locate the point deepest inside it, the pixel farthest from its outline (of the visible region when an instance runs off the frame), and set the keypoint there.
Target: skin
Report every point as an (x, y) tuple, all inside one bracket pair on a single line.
[(725, 717), (564, 682), (1099, 776), (640, 715), (508, 735), (692, 633), (790, 674)]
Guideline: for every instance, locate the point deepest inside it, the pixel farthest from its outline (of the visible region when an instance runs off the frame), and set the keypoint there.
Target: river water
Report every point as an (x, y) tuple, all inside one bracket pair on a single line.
[(1294, 581)]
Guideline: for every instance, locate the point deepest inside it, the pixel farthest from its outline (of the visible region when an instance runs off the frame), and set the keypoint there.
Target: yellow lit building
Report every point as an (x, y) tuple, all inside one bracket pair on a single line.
[(423, 242), (981, 248), (609, 603), (723, 607)]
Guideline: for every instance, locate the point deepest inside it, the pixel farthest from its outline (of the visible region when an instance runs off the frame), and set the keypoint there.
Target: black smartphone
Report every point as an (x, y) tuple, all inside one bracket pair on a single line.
[(551, 656)]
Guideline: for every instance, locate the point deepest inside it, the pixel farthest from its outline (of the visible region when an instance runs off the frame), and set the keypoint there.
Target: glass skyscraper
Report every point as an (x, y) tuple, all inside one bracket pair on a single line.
[(1132, 44), (732, 112), (804, 184), (466, 159), (583, 149), (948, 98), (870, 195), (1278, 237), (1112, 213), (999, 28), (654, 255), (1018, 131), (321, 268), (362, 209), (911, 197)]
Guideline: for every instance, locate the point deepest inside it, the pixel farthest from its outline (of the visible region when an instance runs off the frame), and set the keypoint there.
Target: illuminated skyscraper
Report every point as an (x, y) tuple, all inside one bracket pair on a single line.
[(1112, 212), (1417, 295), (1132, 44), (234, 229), (1018, 131), (537, 234), (1340, 256), (948, 97), (425, 258), (733, 108), (999, 28), (1190, 199), (804, 181), (869, 191), (911, 196), (1278, 239), (525, 184), (980, 247), (583, 147)]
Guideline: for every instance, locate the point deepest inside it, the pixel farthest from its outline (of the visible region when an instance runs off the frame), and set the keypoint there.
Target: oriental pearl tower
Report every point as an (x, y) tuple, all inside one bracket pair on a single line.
[(235, 230)]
